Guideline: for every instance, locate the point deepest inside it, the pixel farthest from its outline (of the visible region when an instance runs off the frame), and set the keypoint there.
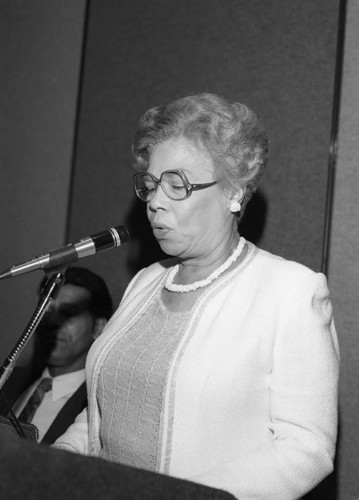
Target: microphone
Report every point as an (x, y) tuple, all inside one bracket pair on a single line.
[(90, 245)]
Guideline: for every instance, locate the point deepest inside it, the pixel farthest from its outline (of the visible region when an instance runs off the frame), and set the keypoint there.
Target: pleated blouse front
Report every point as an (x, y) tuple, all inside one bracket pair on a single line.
[(132, 386)]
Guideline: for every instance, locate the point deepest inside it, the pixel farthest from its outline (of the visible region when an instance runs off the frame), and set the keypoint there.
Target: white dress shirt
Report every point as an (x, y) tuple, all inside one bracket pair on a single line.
[(63, 387)]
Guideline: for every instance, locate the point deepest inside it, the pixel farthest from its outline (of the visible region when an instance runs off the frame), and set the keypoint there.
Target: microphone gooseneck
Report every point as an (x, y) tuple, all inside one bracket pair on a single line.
[(90, 245)]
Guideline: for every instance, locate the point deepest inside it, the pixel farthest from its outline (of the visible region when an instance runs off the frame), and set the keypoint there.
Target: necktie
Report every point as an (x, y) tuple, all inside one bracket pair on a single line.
[(35, 400)]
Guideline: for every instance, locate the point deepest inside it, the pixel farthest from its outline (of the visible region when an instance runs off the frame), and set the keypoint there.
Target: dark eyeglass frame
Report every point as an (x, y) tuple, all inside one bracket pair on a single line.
[(186, 184)]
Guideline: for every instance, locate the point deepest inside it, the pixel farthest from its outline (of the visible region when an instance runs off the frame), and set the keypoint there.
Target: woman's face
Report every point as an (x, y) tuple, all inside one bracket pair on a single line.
[(192, 228)]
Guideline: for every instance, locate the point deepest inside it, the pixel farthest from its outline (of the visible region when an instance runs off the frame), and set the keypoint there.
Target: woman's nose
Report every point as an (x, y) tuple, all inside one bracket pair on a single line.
[(159, 199)]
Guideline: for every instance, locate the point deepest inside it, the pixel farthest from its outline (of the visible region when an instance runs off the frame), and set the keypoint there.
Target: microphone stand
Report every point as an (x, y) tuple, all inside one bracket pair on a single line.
[(48, 293)]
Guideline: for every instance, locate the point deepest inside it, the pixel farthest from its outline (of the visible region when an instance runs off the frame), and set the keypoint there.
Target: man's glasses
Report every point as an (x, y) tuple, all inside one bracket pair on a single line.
[(173, 182)]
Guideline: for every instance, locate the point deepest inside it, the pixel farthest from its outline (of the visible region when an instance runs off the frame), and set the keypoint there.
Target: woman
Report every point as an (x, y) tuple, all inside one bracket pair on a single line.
[(221, 365)]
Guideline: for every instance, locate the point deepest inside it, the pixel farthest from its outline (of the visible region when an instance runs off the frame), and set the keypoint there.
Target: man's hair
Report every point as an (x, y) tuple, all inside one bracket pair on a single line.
[(100, 305)]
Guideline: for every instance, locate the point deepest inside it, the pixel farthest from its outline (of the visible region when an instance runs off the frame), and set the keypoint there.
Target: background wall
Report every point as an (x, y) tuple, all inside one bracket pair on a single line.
[(343, 260), (40, 54)]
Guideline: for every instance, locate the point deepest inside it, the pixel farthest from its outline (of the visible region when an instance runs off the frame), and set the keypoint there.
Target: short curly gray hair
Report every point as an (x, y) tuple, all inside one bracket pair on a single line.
[(232, 134)]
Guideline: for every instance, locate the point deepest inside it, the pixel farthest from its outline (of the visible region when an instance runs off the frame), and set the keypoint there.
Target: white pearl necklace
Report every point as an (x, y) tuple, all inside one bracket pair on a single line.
[(172, 287)]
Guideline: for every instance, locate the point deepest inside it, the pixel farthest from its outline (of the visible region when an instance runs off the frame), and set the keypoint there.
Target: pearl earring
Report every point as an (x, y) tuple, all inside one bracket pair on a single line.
[(235, 206)]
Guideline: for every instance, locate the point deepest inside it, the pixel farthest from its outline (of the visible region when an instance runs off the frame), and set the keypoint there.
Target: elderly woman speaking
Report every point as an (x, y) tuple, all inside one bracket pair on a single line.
[(220, 365)]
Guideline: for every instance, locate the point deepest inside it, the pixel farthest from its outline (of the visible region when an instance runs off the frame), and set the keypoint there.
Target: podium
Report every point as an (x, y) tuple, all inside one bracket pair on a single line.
[(35, 471)]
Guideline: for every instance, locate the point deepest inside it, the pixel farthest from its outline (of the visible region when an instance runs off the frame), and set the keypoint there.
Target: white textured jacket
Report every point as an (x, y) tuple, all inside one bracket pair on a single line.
[(251, 400)]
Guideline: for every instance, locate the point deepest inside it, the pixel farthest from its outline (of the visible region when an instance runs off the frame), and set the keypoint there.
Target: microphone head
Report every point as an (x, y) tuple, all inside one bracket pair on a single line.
[(123, 233), (111, 238)]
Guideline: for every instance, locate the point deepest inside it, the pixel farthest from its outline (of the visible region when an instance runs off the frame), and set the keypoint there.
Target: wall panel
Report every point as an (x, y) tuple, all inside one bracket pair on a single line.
[(343, 260), (40, 53)]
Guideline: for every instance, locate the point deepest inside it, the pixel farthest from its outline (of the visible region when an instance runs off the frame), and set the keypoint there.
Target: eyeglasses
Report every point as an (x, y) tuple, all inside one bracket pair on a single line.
[(173, 182)]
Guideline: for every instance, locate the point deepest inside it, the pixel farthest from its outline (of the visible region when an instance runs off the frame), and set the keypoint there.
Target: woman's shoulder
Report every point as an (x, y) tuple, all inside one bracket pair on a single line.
[(283, 280), (280, 268)]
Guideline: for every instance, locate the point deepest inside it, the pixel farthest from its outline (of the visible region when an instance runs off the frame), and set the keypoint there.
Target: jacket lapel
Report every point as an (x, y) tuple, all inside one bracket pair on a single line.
[(67, 415)]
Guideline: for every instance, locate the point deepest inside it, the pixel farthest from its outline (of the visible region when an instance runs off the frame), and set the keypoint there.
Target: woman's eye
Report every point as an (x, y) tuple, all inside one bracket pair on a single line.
[(145, 191)]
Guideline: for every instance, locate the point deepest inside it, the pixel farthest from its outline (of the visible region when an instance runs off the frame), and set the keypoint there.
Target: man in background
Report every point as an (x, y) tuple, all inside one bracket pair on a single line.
[(55, 392)]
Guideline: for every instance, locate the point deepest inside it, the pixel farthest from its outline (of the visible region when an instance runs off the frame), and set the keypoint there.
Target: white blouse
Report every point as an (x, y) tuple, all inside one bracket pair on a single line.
[(132, 385)]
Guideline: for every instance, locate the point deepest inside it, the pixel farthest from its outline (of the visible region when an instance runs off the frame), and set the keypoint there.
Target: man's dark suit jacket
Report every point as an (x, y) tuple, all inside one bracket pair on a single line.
[(20, 379)]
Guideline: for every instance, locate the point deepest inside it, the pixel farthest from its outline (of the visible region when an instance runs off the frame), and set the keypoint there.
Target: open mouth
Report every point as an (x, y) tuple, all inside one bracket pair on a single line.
[(160, 232), (159, 229)]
